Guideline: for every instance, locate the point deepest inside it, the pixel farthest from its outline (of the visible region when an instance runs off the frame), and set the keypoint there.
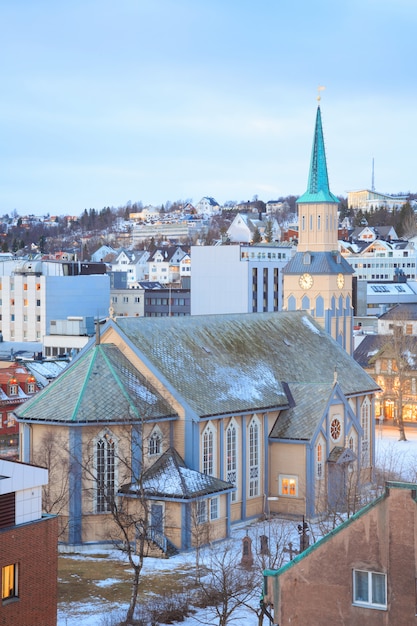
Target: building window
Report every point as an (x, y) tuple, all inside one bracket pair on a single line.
[(11, 420), (254, 458), (335, 429), (105, 467), (9, 582), (370, 589), (319, 461), (365, 423), (208, 451), (288, 486), (231, 458), (155, 441), (214, 508), (201, 511)]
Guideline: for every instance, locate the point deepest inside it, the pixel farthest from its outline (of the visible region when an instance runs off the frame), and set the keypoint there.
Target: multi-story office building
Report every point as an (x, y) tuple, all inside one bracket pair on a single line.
[(33, 293), (238, 278)]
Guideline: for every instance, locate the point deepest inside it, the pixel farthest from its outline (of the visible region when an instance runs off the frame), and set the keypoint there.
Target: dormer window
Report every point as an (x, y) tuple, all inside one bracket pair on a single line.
[(13, 387), (31, 384), (307, 258)]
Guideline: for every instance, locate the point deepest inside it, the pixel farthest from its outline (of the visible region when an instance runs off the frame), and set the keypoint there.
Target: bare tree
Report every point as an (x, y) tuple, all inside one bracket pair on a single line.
[(56, 493), (227, 587)]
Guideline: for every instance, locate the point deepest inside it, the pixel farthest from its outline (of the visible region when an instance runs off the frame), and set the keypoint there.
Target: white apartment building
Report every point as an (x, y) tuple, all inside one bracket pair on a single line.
[(381, 260), (32, 294), (168, 265), (134, 263), (238, 278)]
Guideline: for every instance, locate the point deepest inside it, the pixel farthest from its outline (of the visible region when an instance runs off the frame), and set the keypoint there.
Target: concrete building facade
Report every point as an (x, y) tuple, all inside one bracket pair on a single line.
[(238, 278)]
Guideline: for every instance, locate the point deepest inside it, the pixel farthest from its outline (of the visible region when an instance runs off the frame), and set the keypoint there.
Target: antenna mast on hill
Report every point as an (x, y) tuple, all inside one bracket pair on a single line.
[(373, 175)]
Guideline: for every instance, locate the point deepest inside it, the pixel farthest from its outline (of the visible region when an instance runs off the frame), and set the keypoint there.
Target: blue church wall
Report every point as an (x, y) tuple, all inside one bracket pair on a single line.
[(75, 480)]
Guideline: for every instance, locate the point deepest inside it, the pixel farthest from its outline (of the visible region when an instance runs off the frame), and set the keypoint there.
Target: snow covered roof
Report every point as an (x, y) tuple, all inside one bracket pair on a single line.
[(101, 386), (232, 364), (169, 477)]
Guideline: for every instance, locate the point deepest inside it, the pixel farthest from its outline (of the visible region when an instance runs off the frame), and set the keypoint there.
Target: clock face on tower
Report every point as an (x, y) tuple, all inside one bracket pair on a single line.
[(306, 281), (340, 281)]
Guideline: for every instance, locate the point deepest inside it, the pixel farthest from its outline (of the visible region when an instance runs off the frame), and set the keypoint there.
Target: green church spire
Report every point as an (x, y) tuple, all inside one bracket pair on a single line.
[(318, 182)]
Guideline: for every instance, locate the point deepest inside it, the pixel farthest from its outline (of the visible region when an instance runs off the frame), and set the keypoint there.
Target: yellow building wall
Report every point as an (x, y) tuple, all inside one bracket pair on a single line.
[(287, 460)]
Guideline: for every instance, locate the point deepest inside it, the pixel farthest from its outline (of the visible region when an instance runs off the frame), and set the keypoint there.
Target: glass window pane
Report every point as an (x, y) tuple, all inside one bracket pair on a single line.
[(361, 586), (378, 589)]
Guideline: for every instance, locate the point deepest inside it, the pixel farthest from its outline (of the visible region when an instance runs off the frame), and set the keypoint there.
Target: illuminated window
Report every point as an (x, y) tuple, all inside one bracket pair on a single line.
[(319, 457), (288, 486), (9, 582)]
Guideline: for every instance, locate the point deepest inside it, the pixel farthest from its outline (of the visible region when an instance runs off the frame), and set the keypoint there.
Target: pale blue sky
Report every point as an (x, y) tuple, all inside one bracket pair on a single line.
[(108, 101)]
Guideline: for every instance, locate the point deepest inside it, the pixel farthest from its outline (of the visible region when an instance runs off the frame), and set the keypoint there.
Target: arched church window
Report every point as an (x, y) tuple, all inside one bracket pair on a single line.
[(231, 457), (155, 443), (254, 457), (208, 450), (365, 423), (105, 454)]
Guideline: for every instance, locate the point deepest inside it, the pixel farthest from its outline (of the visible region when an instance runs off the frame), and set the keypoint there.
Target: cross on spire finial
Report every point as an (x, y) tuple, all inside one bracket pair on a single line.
[(319, 89)]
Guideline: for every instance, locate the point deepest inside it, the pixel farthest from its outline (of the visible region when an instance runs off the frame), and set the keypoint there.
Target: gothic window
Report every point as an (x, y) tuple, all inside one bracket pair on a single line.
[(254, 460), (292, 303), (319, 306), (208, 450), (319, 461), (305, 303), (231, 457), (105, 472), (365, 423), (155, 443)]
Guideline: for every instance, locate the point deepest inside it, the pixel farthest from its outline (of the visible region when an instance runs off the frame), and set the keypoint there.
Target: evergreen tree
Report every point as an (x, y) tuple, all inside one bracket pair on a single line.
[(257, 237)]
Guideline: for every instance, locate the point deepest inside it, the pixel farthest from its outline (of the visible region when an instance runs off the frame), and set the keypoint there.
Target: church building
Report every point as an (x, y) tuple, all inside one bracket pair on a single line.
[(194, 423), (318, 279)]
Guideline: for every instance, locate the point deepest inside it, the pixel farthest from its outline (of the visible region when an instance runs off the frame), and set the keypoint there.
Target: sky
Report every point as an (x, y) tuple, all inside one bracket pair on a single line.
[(106, 102)]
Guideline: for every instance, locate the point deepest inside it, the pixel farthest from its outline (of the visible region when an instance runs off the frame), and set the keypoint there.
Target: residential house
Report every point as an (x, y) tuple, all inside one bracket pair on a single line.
[(103, 253), (17, 384), (237, 408), (28, 548), (245, 225), (381, 260), (207, 206), (134, 263), (362, 572), (369, 233), (165, 264), (390, 357)]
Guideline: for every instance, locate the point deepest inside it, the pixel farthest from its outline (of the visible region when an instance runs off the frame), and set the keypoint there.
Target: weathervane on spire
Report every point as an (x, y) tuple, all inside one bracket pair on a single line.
[(319, 89)]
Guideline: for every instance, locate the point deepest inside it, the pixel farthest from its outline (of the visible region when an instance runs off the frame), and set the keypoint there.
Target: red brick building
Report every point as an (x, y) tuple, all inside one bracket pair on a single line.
[(28, 548), (17, 384), (363, 572)]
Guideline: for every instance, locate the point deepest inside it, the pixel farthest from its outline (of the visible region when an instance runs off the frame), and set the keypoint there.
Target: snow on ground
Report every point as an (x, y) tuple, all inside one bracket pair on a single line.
[(391, 454)]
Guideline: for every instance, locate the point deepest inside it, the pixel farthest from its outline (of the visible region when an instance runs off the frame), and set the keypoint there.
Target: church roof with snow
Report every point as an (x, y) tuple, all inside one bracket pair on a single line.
[(101, 386)]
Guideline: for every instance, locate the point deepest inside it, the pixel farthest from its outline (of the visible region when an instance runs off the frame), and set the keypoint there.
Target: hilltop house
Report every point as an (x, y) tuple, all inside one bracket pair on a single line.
[(211, 415), (244, 226)]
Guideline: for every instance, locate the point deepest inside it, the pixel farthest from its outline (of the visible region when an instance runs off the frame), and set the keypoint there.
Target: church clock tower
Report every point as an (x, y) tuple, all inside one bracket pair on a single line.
[(318, 279)]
